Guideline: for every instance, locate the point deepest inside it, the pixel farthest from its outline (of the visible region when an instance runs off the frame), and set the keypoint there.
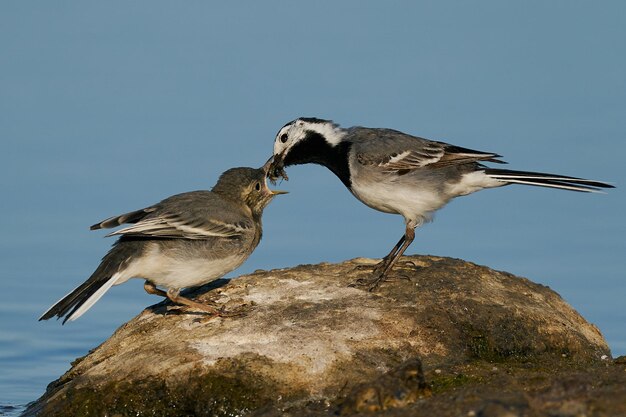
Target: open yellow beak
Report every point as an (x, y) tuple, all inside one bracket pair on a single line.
[(276, 192)]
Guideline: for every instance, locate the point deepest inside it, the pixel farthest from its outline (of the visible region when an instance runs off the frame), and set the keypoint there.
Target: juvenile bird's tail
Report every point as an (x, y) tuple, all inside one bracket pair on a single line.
[(82, 298), (547, 180)]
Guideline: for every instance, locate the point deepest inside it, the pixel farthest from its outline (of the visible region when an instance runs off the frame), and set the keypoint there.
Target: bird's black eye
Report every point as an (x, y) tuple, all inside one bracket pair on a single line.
[(284, 137), (257, 186)]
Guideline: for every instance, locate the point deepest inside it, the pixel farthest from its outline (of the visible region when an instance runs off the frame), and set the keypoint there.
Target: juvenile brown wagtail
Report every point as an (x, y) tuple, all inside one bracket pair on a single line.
[(186, 240)]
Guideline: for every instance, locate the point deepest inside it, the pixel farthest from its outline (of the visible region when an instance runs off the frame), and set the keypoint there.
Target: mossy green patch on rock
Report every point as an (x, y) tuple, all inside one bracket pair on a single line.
[(199, 395), (446, 382)]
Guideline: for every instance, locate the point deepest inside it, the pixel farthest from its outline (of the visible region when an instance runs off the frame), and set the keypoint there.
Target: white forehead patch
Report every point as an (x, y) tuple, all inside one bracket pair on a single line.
[(329, 130)]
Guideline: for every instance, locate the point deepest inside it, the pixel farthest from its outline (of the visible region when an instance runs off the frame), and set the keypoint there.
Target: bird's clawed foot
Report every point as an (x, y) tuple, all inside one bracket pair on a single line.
[(382, 272), (187, 305), (209, 312), (406, 264), (378, 275), (376, 270), (370, 283)]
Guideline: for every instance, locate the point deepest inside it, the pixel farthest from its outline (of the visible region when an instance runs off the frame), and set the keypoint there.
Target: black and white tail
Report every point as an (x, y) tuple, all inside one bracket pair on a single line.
[(82, 298), (547, 180), (110, 270)]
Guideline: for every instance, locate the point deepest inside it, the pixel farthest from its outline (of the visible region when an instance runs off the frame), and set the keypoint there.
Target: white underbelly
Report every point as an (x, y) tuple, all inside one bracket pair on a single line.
[(398, 198), (169, 272)]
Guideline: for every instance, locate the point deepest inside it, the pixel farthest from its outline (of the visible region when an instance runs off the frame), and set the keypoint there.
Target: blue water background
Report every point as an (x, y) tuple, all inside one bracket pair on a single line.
[(107, 107)]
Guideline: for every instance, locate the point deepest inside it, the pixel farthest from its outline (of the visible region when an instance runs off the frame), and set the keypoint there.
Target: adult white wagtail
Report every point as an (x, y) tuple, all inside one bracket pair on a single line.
[(186, 240), (397, 173)]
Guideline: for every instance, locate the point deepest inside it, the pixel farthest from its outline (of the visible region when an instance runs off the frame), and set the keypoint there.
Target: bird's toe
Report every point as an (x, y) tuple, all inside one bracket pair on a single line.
[(371, 283)]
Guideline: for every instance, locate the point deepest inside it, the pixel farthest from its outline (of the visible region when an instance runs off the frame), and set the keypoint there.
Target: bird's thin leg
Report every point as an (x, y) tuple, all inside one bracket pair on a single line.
[(175, 297), (385, 261), (380, 266), (409, 236), (382, 269), (152, 289)]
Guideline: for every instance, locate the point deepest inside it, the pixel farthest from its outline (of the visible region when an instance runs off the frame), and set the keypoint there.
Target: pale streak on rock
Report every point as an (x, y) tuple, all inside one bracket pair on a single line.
[(313, 347)]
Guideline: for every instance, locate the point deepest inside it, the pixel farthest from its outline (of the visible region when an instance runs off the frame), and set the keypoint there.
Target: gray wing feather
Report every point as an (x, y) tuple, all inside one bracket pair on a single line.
[(132, 217), (394, 151), (194, 215)]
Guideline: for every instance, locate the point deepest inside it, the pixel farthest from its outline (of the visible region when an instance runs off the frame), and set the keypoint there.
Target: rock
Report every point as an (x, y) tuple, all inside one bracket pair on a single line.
[(443, 337), (394, 389)]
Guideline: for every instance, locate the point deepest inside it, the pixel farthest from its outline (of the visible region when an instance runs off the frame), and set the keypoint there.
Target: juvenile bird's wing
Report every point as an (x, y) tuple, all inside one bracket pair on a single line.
[(194, 215), (132, 217), (393, 151)]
